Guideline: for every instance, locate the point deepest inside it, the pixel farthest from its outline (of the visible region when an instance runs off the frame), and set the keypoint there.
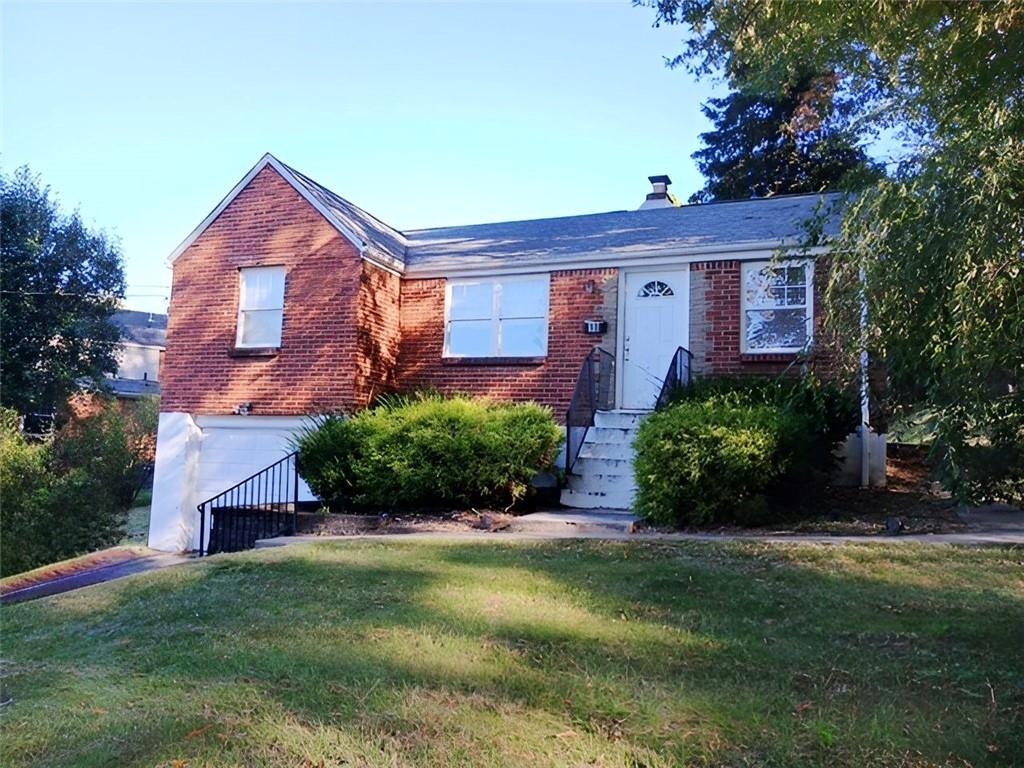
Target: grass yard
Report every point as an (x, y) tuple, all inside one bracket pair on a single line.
[(531, 654)]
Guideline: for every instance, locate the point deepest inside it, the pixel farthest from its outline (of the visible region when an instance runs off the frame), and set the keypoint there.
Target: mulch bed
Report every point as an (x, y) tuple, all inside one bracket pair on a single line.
[(444, 521), (911, 497), (70, 567)]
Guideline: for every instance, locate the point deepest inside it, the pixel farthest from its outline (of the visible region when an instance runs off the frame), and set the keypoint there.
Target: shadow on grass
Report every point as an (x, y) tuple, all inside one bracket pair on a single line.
[(438, 654)]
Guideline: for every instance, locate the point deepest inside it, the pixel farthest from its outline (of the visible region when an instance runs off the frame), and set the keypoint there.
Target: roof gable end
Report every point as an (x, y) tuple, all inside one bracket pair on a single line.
[(302, 188)]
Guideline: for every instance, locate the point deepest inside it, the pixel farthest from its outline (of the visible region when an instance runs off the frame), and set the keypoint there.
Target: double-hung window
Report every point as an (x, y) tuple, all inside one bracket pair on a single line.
[(260, 307), (777, 306), (497, 318)]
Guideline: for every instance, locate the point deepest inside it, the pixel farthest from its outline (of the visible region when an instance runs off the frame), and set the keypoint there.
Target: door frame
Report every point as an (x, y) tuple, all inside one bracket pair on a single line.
[(620, 315)]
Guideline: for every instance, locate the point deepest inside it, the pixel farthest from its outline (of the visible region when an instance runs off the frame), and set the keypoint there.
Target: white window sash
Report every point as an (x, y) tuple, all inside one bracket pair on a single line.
[(497, 317), (248, 305), (807, 306)]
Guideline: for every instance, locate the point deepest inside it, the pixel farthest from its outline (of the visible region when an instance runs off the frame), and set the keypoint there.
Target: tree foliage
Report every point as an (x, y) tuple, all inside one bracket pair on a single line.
[(69, 494), (942, 237), (768, 144), (60, 285)]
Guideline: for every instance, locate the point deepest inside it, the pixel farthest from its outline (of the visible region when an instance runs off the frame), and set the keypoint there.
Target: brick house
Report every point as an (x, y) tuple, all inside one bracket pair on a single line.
[(289, 301)]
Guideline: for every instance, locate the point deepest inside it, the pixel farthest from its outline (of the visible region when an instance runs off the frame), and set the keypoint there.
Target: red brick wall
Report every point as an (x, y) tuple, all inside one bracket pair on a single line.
[(379, 333), (551, 382), (267, 224), (352, 330)]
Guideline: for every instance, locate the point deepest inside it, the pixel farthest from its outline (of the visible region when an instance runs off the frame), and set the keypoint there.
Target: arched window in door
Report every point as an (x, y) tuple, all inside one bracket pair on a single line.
[(655, 288)]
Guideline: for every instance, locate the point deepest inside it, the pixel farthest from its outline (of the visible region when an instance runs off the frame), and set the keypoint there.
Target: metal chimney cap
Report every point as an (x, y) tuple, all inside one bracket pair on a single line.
[(659, 179)]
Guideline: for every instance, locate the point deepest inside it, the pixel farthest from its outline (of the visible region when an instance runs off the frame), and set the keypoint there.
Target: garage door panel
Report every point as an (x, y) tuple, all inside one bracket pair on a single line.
[(229, 455)]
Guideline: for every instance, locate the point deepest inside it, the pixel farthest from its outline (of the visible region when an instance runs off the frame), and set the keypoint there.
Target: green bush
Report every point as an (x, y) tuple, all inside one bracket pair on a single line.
[(70, 494), (831, 410), (699, 463), (735, 450), (428, 451), (25, 496)]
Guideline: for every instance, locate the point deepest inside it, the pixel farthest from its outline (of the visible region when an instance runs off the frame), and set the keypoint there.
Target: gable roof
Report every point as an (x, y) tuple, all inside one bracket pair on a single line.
[(146, 328), (381, 239), (373, 238), (617, 236), (739, 225)]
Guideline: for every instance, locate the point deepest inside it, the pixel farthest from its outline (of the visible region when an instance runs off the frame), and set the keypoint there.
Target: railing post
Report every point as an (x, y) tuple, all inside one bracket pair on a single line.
[(202, 529), (295, 498)]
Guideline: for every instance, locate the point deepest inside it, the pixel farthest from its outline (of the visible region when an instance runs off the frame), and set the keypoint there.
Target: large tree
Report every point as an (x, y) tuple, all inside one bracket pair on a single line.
[(773, 144), (59, 286), (941, 239)]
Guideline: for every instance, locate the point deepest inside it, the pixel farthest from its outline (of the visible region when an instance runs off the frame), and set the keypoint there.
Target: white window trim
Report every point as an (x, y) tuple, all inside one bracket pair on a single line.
[(809, 265), (238, 293), (495, 312)]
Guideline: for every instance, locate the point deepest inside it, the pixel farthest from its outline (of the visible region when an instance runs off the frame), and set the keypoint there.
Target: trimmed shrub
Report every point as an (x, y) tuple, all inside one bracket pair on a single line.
[(738, 450), (831, 410), (699, 463), (427, 451)]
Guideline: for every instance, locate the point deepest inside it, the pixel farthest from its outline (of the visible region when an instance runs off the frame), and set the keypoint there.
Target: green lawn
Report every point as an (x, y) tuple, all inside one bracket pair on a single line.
[(547, 654)]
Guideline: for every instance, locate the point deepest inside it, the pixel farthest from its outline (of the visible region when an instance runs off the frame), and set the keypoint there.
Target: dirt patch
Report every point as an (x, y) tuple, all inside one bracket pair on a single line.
[(71, 567), (911, 498)]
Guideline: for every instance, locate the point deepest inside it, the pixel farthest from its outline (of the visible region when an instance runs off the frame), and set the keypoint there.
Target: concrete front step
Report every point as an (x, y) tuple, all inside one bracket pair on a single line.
[(620, 499), (603, 474), (582, 521), (616, 451), (619, 419), (598, 482), (595, 466), (612, 435)]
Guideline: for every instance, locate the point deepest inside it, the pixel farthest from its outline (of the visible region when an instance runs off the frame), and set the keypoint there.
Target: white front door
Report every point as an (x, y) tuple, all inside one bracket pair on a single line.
[(656, 323)]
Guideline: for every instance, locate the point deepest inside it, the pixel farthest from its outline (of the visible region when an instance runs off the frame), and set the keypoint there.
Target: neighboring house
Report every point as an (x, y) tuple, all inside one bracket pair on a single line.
[(144, 337), (289, 301)]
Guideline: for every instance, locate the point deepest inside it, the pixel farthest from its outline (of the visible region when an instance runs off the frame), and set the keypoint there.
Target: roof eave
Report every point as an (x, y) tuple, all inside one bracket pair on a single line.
[(435, 268)]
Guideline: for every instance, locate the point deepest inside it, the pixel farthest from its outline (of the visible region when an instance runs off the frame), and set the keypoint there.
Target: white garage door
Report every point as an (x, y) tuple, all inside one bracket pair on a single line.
[(236, 447)]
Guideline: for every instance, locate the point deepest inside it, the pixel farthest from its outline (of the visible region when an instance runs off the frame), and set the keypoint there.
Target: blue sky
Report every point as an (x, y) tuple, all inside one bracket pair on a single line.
[(143, 116)]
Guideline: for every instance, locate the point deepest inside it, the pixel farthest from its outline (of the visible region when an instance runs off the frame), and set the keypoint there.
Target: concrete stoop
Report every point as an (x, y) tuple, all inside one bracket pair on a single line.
[(593, 522), (602, 477)]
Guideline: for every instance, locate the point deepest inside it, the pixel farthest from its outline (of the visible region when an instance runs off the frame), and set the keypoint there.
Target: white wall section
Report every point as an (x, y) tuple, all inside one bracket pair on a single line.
[(198, 459), (171, 519)]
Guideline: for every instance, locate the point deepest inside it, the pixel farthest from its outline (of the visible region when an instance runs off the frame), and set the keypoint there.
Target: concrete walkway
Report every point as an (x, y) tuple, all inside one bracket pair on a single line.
[(97, 575)]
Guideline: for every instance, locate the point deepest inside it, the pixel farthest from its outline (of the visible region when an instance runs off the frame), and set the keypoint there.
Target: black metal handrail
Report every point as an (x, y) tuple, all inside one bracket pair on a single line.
[(678, 375), (263, 505), (593, 393)]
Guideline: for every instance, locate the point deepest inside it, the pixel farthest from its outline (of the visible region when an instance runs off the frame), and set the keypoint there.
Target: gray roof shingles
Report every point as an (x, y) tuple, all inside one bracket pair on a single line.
[(377, 235), (133, 388), (625, 233), (777, 220), (146, 328)]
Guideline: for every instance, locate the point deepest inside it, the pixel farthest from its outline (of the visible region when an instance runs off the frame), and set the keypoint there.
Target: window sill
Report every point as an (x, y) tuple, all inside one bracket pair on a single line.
[(493, 360), (769, 357), (253, 351)]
